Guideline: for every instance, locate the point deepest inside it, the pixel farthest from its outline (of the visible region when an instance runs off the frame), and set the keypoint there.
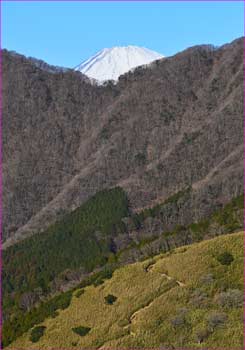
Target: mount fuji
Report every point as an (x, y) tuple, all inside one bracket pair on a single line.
[(109, 64)]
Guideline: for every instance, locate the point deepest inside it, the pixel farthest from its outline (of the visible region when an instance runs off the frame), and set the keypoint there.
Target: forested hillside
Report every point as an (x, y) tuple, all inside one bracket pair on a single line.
[(175, 124), (99, 178), (81, 249)]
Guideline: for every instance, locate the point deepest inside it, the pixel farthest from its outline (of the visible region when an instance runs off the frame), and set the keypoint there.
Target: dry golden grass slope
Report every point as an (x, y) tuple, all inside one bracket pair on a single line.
[(181, 299)]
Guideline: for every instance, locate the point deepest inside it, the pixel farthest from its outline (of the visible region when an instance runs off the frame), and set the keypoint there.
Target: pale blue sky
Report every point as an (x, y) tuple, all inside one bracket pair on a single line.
[(66, 33)]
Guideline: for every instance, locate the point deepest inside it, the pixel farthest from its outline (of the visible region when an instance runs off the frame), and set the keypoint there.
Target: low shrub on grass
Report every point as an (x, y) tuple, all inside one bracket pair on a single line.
[(201, 334), (225, 258), (231, 298), (180, 319), (37, 333), (79, 293), (199, 298), (82, 331), (215, 319), (207, 279), (54, 314), (110, 299)]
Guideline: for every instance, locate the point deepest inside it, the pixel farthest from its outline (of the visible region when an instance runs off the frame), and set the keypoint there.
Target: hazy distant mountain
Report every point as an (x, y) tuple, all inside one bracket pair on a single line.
[(109, 64)]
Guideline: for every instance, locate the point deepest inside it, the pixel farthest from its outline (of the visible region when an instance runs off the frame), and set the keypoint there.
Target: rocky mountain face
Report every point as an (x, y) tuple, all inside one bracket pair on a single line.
[(174, 125)]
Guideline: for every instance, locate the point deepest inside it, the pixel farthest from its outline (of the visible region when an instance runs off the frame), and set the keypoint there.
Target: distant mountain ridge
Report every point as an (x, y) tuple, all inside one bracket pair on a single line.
[(40, 63), (109, 64), (175, 124)]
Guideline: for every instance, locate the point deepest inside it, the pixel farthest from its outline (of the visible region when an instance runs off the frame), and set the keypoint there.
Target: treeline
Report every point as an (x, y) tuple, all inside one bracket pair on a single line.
[(156, 211), (22, 322), (225, 220), (81, 240)]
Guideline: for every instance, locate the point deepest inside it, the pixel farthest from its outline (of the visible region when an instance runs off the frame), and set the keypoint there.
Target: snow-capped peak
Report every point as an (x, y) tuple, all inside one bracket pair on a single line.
[(109, 64)]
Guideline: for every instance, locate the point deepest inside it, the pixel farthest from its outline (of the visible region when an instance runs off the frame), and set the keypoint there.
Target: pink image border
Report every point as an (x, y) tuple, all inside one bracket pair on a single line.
[(1, 119)]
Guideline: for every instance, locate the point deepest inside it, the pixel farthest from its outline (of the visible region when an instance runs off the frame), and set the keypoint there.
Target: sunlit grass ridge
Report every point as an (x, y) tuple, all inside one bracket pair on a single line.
[(170, 300)]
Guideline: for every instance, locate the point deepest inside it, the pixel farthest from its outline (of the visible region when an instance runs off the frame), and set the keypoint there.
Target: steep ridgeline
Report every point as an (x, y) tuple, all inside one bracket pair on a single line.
[(174, 125)]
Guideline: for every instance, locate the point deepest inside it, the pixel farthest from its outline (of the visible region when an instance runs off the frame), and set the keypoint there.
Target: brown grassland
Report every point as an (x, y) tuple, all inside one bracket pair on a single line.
[(185, 298)]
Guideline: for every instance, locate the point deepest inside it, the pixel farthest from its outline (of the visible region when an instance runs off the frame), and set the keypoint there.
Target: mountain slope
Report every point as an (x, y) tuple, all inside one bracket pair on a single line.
[(109, 64), (86, 246), (187, 297), (173, 125)]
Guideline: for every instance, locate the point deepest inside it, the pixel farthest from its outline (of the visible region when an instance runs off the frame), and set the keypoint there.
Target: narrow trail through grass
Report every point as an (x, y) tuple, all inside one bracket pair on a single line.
[(181, 284), (169, 278), (159, 300), (148, 305)]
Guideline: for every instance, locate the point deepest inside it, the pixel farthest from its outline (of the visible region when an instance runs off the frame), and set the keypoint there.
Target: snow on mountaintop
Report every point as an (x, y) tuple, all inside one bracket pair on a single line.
[(109, 64)]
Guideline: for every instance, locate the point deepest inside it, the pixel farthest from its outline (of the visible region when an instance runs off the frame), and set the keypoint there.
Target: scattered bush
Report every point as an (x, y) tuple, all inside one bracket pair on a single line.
[(216, 319), (182, 250), (98, 277), (225, 258), (81, 220), (231, 298), (201, 334), (79, 293), (180, 318), (98, 281), (54, 314), (24, 321), (110, 299), (207, 279), (82, 331), (37, 333), (63, 300), (199, 298)]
